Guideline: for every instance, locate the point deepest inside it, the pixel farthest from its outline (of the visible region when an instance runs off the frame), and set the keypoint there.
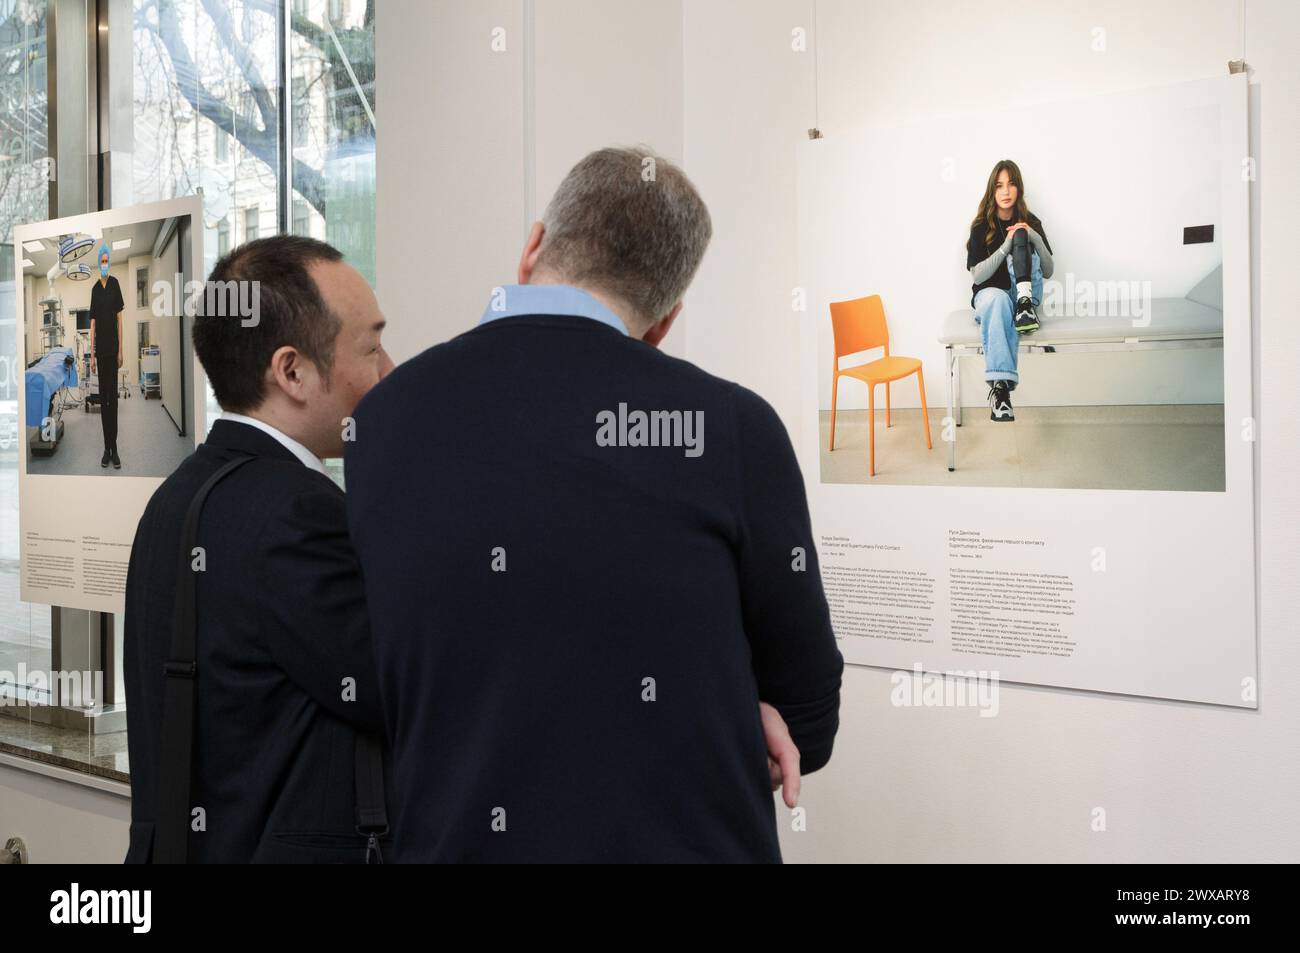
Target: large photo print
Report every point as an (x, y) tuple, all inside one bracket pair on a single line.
[(1027, 391), (112, 397), (1059, 269), (106, 355)]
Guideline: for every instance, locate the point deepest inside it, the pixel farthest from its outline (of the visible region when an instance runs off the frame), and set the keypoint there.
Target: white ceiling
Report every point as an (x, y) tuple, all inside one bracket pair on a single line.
[(142, 235)]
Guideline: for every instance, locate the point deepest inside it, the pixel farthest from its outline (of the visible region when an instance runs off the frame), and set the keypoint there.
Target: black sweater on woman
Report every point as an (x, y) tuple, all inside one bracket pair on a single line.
[(986, 261)]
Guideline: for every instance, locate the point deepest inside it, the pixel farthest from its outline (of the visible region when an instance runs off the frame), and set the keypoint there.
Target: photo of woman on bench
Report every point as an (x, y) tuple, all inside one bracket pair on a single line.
[(1008, 256), (1094, 297)]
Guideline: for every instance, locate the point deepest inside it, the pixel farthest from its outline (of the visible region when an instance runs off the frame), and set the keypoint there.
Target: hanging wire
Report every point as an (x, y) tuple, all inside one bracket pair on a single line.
[(1239, 65), (816, 131)]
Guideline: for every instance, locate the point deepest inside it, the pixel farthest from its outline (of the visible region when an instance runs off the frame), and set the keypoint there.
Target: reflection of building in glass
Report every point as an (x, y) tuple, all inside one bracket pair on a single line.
[(24, 197), (350, 198), (207, 116), (24, 145)]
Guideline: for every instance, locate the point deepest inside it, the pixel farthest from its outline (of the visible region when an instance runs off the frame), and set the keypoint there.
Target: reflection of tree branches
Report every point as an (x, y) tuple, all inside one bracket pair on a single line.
[(23, 122), (243, 58), (263, 142), (302, 102), (254, 125), (308, 29), (166, 152)]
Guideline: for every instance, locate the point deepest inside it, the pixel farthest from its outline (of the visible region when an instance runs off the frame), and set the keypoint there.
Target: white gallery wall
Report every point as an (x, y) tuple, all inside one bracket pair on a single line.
[(461, 161), (492, 102), (606, 74), (449, 163)]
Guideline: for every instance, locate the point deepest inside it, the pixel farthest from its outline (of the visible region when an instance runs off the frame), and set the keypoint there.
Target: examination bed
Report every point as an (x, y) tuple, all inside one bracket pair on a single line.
[(1173, 323), (46, 377)]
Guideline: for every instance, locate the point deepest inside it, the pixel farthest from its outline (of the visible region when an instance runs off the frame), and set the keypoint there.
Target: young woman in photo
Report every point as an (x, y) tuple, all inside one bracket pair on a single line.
[(1008, 257)]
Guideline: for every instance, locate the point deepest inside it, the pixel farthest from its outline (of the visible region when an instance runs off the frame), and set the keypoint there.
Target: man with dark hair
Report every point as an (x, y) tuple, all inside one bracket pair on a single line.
[(282, 670), (614, 593)]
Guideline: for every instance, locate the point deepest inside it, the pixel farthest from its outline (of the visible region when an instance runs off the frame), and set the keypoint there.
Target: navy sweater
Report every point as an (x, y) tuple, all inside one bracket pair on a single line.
[(572, 637)]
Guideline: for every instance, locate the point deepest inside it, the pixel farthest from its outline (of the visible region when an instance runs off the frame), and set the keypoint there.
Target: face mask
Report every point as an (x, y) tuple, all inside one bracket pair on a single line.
[(103, 268)]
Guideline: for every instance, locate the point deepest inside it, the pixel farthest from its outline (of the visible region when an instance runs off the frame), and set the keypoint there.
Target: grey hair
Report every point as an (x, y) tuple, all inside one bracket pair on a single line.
[(628, 223)]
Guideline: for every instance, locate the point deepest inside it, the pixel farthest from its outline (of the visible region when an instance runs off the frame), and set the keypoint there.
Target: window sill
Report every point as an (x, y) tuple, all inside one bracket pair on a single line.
[(98, 761)]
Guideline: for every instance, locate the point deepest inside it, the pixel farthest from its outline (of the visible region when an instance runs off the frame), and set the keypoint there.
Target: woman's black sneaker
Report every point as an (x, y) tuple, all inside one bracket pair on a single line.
[(1000, 402), (117, 463), (1026, 320), (103, 461)]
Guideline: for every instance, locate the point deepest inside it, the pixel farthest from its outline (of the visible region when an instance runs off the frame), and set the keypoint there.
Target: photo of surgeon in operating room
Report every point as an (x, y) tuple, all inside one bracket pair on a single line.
[(106, 351)]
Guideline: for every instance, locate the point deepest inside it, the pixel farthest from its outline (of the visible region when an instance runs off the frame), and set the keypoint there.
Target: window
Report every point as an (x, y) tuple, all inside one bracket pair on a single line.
[(301, 109), (207, 114), (142, 287), (223, 236), (301, 218), (333, 140), (250, 224), (25, 628), (206, 107)]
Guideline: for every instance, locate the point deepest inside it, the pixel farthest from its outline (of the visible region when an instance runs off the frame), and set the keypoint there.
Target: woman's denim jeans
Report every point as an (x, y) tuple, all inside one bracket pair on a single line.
[(995, 311)]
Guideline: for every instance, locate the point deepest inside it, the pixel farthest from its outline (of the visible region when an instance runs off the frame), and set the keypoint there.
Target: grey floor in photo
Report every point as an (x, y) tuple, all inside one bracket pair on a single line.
[(147, 442), (1155, 447)]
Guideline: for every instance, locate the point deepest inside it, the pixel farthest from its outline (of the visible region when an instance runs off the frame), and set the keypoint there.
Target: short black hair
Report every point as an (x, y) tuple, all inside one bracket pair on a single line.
[(234, 352)]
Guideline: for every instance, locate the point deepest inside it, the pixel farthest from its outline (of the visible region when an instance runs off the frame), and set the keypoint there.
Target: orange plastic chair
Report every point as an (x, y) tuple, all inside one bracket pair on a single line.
[(859, 325)]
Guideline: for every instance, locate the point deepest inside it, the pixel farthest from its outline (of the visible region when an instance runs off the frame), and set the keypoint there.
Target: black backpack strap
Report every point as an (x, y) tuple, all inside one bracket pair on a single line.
[(372, 815), (172, 823)]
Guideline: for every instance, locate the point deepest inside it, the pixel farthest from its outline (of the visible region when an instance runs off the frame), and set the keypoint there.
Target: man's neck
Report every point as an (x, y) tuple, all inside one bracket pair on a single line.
[(268, 416), (620, 310)]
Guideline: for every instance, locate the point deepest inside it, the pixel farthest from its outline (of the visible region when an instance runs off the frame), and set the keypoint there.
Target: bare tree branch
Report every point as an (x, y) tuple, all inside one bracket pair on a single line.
[(220, 15), (262, 142)]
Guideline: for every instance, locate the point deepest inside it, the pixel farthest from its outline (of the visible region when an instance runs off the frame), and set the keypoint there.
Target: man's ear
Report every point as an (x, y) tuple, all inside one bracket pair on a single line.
[(287, 372), (659, 330), (528, 260)]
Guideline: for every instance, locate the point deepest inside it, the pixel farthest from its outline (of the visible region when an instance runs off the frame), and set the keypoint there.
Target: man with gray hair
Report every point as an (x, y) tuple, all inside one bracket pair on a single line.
[(577, 601)]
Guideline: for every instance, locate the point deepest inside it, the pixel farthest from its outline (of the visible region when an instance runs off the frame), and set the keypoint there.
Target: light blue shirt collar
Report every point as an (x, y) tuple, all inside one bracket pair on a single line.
[(508, 301)]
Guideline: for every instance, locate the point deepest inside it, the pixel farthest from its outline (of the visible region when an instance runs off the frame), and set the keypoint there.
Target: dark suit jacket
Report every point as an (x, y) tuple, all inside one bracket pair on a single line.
[(282, 623), (597, 699)]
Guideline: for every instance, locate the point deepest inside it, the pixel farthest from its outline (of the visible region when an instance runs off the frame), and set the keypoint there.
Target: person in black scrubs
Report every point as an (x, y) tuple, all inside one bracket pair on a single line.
[(106, 351)]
